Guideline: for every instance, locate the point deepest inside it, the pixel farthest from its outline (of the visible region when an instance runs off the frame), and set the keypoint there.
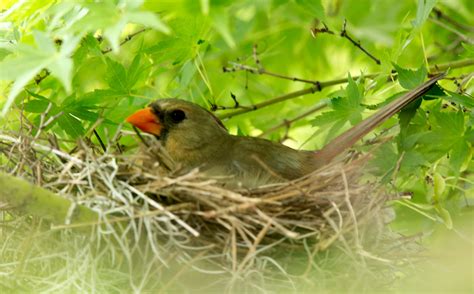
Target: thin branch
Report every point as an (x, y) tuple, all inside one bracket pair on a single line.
[(316, 31), (127, 39), (215, 107), (452, 30), (324, 30), (100, 140), (440, 15), (270, 102), (454, 47), (237, 66), (318, 86), (435, 69), (287, 123), (357, 43), (255, 57)]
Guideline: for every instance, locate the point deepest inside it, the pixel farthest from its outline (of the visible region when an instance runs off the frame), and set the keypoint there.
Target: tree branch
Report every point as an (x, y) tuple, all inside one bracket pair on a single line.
[(288, 122), (452, 30), (127, 39), (440, 15), (357, 43), (33, 200), (320, 85)]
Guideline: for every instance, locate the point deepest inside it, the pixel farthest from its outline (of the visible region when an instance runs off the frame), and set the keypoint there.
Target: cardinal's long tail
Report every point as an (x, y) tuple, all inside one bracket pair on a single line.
[(351, 136)]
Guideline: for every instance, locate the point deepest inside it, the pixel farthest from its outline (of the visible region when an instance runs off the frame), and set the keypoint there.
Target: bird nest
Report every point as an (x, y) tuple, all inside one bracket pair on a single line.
[(191, 221)]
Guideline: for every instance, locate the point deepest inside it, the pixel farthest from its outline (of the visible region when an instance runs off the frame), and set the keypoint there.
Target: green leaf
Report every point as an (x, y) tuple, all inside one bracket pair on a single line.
[(447, 130), (71, 125), (22, 69), (445, 216), (60, 63), (117, 76), (313, 7), (105, 97), (135, 71), (183, 44), (469, 53), (407, 113), (29, 61), (121, 79), (439, 185), (36, 106), (458, 156), (112, 19), (220, 21), (385, 160), (464, 100), (344, 109), (112, 33), (147, 19), (435, 92), (410, 79), (423, 10), (352, 92), (84, 114), (412, 159)]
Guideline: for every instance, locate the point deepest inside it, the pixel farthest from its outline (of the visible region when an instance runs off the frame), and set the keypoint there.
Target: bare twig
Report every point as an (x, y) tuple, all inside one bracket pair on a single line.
[(452, 30), (127, 39), (288, 122), (256, 59), (270, 102), (325, 30), (100, 141), (253, 70), (435, 69), (316, 31), (357, 43), (440, 15)]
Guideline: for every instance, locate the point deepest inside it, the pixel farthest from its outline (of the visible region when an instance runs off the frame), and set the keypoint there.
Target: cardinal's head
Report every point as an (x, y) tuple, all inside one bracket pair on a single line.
[(186, 130)]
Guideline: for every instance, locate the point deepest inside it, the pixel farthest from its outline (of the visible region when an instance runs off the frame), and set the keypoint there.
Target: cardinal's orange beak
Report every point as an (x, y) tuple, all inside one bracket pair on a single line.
[(146, 121)]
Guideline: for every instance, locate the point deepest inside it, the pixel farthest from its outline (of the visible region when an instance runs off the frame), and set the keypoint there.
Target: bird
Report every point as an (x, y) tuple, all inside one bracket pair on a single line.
[(193, 137)]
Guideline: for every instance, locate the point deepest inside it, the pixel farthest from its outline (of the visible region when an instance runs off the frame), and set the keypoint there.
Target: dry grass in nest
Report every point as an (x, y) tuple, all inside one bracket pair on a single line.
[(193, 221)]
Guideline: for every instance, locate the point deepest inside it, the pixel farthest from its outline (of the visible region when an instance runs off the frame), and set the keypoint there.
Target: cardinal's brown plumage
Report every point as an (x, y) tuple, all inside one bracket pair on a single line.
[(194, 137)]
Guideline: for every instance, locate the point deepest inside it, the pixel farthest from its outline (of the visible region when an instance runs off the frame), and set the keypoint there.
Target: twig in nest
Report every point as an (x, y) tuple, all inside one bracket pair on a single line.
[(100, 141), (159, 154)]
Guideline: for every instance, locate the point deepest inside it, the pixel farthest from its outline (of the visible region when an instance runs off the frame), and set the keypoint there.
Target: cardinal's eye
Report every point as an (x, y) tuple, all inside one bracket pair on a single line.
[(177, 115)]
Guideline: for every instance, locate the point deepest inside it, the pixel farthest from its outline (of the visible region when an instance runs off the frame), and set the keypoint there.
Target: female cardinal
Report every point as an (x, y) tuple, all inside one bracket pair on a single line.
[(193, 137)]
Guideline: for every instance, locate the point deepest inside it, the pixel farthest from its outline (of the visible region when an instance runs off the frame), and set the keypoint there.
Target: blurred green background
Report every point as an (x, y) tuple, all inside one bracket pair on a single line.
[(179, 49)]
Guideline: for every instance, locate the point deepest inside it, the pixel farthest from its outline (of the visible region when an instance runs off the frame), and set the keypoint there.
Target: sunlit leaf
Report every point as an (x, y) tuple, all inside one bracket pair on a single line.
[(410, 79), (313, 7)]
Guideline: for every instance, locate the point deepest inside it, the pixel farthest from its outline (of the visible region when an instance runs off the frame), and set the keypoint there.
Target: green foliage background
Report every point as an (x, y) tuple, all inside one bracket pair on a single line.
[(97, 62)]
